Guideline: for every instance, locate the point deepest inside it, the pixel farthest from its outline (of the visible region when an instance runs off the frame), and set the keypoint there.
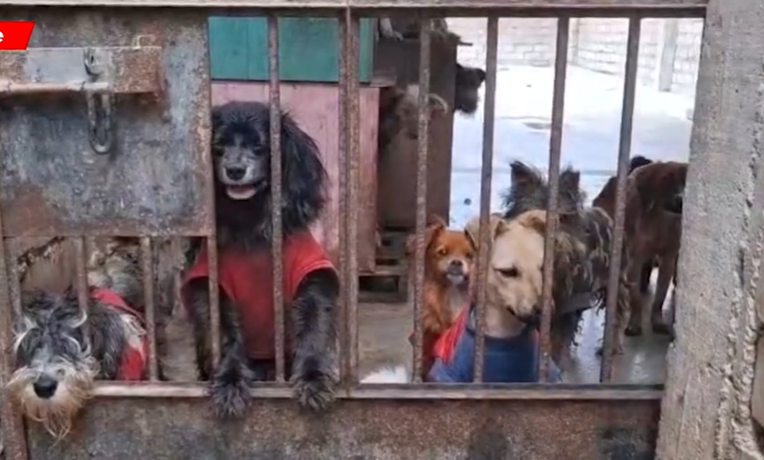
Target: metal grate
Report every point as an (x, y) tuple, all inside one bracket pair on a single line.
[(348, 13)]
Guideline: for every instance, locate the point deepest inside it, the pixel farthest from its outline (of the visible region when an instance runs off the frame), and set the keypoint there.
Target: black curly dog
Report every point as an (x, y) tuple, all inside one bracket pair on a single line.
[(241, 152)]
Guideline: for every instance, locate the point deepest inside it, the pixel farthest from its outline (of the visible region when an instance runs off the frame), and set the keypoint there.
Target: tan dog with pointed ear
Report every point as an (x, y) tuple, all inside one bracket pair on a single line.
[(514, 280), (449, 258)]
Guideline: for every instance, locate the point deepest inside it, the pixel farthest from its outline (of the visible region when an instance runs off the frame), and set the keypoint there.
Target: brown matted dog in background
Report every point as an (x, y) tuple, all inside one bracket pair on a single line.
[(653, 230)]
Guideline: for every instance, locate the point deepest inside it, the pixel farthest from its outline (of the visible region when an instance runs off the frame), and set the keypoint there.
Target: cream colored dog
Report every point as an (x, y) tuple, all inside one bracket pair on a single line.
[(514, 279)]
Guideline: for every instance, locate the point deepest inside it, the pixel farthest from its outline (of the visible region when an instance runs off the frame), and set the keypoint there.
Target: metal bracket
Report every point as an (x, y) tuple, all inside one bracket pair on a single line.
[(100, 107), (100, 73)]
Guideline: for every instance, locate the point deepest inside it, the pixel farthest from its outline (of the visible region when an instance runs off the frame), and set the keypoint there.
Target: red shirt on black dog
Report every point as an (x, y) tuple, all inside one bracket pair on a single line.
[(247, 279)]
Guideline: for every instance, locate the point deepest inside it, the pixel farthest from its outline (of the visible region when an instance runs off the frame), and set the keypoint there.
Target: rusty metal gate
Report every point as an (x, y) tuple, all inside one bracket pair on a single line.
[(148, 172)]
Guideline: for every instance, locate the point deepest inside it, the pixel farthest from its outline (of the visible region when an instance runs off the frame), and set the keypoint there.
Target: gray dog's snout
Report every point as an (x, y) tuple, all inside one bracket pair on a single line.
[(45, 386), (235, 173)]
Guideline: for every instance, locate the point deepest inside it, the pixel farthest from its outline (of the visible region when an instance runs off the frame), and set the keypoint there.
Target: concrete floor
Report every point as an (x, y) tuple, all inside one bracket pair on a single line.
[(383, 341)]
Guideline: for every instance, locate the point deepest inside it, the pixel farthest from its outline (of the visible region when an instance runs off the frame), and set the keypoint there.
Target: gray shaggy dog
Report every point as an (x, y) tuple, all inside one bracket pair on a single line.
[(243, 203), (60, 350), (575, 272)]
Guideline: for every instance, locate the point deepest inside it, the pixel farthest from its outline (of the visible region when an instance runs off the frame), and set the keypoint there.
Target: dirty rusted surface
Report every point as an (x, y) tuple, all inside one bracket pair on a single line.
[(125, 70), (14, 441), (553, 7), (361, 430), (152, 181)]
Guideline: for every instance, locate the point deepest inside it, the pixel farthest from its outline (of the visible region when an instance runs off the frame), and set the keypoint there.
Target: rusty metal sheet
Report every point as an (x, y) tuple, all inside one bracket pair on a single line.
[(131, 70), (361, 430), (306, 4), (155, 179)]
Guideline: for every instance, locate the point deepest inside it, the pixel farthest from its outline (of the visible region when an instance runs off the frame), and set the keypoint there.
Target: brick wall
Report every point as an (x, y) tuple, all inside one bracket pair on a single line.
[(597, 44), (600, 44), (687, 55), (521, 41)]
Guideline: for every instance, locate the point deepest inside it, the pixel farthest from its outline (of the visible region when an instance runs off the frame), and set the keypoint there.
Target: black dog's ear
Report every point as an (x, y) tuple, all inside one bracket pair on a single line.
[(480, 74), (304, 177), (524, 178), (571, 196), (637, 162)]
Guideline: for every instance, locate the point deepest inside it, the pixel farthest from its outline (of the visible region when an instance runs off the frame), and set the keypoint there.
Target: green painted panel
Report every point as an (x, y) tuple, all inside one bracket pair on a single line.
[(308, 49)]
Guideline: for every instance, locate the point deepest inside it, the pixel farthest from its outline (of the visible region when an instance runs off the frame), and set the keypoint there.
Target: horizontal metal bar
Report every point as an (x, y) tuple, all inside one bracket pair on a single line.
[(8, 88), (582, 6), (123, 70), (392, 391)]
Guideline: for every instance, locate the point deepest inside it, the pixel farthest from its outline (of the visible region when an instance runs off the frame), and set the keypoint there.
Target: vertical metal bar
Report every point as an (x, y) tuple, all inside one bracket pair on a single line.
[(555, 148), (147, 263), (343, 165), (80, 258), (274, 92), (14, 438), (14, 279), (353, 164), (212, 261), (624, 151), (421, 189), (486, 177)]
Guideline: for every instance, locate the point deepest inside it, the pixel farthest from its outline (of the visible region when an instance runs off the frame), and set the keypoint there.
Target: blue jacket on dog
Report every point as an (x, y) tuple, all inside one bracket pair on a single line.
[(510, 360)]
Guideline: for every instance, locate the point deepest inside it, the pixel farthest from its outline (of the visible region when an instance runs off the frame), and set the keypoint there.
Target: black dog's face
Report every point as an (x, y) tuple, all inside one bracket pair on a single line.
[(241, 153), (468, 83)]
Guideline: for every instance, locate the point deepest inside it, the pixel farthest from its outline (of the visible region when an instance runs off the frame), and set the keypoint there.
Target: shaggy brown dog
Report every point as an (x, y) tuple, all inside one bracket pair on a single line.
[(582, 252), (399, 114), (606, 201), (653, 228), (449, 258)]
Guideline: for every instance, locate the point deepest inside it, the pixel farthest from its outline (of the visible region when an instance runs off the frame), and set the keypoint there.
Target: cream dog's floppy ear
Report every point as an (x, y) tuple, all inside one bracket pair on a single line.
[(496, 224)]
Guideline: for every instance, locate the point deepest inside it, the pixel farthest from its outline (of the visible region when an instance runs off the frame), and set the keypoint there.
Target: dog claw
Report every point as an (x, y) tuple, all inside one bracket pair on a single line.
[(229, 398), (314, 390), (616, 351)]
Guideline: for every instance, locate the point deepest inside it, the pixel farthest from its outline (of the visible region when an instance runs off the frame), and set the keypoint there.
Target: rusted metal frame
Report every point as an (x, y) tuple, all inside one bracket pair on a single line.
[(486, 177), (81, 264), (342, 162), (422, 391), (274, 93), (14, 280), (352, 25), (624, 151), (126, 70), (13, 433), (421, 190), (212, 258), (312, 6), (555, 150), (147, 263)]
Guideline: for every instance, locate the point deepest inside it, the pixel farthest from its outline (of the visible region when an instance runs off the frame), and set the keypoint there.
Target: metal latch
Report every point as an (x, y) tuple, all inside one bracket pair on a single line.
[(100, 73), (100, 108)]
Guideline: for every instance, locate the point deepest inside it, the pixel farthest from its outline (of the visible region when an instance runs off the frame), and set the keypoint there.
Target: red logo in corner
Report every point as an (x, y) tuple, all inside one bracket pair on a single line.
[(15, 35)]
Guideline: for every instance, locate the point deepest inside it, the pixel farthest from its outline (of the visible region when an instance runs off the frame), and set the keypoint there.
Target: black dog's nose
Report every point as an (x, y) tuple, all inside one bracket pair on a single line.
[(456, 263), (45, 387), (235, 173)]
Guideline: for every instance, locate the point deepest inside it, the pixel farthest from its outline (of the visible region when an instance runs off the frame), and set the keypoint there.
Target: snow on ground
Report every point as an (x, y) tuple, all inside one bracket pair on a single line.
[(590, 131)]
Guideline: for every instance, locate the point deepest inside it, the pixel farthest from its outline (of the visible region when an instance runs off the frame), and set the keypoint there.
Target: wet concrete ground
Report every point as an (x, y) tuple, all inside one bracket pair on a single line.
[(383, 341)]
